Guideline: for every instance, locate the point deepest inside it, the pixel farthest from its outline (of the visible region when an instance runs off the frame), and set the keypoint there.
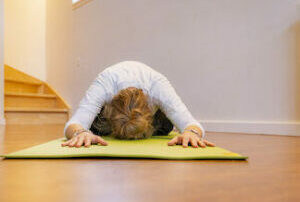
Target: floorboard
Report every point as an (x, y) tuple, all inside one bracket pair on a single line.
[(272, 172)]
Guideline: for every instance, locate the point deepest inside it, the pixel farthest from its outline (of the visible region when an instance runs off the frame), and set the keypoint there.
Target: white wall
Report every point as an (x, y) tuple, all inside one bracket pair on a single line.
[(234, 63), (2, 121), (25, 36), (59, 57)]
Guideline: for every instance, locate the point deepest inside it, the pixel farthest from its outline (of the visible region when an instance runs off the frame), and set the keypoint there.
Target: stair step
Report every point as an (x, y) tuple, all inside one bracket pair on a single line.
[(39, 95), (23, 82), (28, 100), (30, 109), (35, 117), (13, 86)]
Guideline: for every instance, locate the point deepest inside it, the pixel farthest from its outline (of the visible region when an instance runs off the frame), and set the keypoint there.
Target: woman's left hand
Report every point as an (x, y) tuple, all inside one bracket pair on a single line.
[(187, 138)]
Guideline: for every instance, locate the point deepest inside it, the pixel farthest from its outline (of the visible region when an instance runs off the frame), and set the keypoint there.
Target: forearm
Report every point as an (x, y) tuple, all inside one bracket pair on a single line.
[(91, 104), (72, 128)]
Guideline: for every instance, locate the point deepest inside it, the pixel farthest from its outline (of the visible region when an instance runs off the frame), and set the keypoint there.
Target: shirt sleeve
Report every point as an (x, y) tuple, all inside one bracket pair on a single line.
[(92, 102), (171, 104)]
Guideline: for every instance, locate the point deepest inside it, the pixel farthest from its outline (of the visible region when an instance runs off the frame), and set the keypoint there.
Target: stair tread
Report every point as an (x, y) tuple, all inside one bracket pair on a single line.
[(23, 81), (30, 94), (33, 109)]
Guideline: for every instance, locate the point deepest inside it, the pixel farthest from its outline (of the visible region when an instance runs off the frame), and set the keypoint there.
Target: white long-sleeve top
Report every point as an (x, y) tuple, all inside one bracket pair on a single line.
[(133, 74)]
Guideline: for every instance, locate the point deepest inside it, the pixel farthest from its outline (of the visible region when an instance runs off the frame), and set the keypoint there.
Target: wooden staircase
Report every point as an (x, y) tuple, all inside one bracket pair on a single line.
[(28, 100)]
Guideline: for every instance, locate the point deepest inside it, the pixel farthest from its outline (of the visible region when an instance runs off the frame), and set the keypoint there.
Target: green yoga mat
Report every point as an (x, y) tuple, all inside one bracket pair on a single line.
[(154, 148)]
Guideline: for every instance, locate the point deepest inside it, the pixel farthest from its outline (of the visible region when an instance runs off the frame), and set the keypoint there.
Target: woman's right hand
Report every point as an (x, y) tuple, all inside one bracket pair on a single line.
[(85, 139)]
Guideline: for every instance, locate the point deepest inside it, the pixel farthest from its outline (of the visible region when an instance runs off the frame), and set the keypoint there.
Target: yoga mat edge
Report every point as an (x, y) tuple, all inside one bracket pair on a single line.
[(153, 148)]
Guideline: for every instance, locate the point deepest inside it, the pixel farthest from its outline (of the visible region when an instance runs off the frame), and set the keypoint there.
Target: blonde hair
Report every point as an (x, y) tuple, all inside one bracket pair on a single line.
[(129, 114)]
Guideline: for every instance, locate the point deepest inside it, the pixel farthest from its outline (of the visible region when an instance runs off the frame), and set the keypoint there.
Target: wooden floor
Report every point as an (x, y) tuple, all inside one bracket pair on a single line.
[(272, 172)]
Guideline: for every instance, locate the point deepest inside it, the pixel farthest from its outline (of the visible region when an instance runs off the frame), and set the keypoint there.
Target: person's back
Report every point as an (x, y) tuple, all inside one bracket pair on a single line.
[(131, 74)]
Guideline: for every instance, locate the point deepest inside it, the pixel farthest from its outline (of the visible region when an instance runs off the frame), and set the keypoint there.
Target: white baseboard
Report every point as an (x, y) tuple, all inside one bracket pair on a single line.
[(2, 121), (254, 127)]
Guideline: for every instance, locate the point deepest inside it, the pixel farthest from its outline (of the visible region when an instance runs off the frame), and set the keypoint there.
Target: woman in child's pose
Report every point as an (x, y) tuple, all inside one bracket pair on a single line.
[(130, 100)]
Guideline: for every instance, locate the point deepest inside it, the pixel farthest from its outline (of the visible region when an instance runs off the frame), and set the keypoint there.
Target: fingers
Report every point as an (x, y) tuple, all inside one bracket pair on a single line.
[(84, 139), (194, 142), (66, 143), (73, 141), (201, 144), (101, 141), (80, 141), (174, 141), (185, 141), (70, 142), (209, 143), (87, 141)]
